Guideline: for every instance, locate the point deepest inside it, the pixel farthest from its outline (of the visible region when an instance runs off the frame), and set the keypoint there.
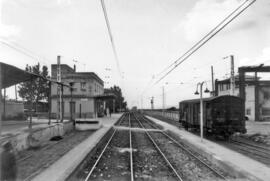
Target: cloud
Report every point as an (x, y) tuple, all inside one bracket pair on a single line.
[(263, 58), (205, 15), (63, 2), (7, 30), (245, 25)]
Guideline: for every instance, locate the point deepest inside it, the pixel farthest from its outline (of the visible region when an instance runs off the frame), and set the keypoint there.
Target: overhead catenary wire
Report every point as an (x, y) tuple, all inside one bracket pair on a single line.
[(208, 34), (111, 37), (186, 55)]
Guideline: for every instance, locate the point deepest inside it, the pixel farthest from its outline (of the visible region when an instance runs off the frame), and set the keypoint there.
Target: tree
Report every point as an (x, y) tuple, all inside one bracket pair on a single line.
[(120, 103), (38, 88)]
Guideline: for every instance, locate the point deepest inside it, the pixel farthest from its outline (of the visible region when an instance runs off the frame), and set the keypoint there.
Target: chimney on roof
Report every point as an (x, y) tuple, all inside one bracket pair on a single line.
[(74, 68)]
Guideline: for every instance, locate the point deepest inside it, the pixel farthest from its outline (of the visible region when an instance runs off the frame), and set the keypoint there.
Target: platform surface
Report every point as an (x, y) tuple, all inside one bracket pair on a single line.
[(63, 167), (238, 161)]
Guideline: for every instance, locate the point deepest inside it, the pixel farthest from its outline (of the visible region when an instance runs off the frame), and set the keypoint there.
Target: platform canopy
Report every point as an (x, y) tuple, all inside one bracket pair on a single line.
[(105, 96), (12, 75)]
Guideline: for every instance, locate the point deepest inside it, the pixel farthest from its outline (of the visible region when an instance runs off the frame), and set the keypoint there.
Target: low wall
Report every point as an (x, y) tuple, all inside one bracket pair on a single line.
[(24, 140)]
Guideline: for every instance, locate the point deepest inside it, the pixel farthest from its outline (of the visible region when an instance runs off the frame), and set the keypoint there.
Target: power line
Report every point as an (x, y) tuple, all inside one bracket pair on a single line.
[(186, 55), (111, 36)]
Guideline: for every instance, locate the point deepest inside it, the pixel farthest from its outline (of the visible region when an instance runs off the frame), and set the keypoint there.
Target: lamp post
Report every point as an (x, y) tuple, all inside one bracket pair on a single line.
[(201, 105)]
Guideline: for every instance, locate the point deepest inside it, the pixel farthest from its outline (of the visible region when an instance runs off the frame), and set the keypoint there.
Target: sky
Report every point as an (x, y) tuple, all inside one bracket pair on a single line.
[(149, 35)]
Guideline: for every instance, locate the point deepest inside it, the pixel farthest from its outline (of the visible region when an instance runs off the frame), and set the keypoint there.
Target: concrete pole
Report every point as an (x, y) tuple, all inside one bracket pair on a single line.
[(232, 75), (201, 111), (16, 95), (212, 77), (1, 78), (4, 107), (50, 102)]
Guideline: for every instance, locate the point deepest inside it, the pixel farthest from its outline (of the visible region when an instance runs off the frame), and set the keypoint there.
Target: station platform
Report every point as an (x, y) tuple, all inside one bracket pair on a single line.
[(63, 167), (235, 163)]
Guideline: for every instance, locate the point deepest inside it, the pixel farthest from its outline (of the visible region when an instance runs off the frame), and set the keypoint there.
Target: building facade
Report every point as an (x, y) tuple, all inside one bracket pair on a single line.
[(83, 101), (222, 87)]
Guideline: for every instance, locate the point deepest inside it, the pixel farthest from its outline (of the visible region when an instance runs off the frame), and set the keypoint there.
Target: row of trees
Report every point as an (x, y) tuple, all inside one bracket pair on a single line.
[(37, 89), (120, 103)]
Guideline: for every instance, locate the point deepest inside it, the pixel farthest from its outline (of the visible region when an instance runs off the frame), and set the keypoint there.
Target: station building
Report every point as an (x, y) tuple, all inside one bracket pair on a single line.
[(86, 100), (222, 87)]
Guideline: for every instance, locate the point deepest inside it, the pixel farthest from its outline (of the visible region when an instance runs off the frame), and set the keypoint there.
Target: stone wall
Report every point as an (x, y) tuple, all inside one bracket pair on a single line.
[(24, 140)]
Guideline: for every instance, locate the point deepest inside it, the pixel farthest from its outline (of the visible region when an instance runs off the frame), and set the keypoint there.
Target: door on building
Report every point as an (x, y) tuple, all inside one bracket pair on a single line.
[(72, 110)]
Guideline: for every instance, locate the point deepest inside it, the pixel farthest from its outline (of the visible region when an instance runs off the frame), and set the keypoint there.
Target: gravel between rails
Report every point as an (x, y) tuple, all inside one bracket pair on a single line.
[(114, 164), (191, 169), (148, 163)]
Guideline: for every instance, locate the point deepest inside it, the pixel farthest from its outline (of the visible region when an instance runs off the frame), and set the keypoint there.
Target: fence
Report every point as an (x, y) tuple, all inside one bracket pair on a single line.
[(173, 115)]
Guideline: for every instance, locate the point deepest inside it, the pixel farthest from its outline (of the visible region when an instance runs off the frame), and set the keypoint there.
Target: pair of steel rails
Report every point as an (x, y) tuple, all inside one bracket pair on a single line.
[(170, 165)]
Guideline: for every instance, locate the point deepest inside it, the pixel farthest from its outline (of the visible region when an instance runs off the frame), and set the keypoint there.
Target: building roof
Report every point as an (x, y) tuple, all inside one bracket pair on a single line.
[(236, 77), (68, 72), (206, 99)]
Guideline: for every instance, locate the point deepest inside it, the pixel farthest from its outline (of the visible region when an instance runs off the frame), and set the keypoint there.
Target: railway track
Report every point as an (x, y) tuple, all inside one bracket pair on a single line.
[(176, 145), (251, 150), (136, 150), (254, 151)]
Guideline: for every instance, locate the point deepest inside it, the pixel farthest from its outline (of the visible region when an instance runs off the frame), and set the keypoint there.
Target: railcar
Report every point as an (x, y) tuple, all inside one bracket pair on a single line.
[(222, 115)]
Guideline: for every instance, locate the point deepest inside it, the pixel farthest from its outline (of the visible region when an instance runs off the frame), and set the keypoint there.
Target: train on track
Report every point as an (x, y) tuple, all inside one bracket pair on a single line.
[(223, 115)]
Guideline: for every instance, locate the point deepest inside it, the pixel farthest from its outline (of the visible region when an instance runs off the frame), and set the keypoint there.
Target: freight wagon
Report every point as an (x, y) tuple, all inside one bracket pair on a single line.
[(222, 115)]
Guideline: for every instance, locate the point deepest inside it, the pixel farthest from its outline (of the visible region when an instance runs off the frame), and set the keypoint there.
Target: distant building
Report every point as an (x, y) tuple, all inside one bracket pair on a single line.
[(222, 87), (87, 94)]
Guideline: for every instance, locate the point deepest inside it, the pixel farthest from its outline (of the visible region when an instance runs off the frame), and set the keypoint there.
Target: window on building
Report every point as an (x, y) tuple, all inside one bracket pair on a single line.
[(221, 87), (90, 89), (83, 85), (248, 111), (265, 111), (266, 95), (228, 86)]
